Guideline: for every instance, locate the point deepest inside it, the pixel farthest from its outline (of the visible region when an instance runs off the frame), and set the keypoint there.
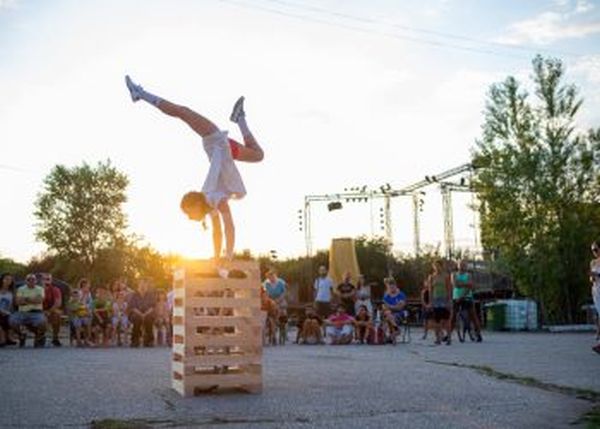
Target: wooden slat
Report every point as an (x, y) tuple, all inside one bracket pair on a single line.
[(223, 302), (231, 360), (245, 349), (222, 380), (223, 341), (237, 321), (194, 285)]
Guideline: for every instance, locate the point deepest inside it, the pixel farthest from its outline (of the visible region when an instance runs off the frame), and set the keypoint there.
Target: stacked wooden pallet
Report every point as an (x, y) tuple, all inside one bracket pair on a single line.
[(217, 338)]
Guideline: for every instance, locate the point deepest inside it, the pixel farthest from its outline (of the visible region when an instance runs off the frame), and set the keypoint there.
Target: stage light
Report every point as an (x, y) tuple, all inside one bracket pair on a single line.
[(334, 205)]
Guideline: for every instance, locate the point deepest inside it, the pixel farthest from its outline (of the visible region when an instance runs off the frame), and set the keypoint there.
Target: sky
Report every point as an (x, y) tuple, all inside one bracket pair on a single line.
[(339, 94)]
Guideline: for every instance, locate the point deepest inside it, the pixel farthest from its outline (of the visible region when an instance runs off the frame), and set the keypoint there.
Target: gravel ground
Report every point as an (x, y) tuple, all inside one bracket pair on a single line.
[(419, 385)]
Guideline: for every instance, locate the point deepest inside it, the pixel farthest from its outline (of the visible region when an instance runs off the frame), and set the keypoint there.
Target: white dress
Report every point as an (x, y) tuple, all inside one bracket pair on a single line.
[(223, 180)]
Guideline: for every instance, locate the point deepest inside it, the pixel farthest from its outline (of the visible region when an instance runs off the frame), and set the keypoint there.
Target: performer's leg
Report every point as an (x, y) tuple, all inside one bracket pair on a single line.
[(251, 151), (197, 122)]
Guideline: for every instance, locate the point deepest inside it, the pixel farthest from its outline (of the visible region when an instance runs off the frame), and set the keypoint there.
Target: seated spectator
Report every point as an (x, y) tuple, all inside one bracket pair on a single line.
[(79, 309), (310, 328), (363, 324), (52, 307), (30, 314), (347, 292), (141, 314), (390, 326), (76, 311), (363, 296), (120, 322), (339, 326), (395, 300), (6, 308), (102, 316)]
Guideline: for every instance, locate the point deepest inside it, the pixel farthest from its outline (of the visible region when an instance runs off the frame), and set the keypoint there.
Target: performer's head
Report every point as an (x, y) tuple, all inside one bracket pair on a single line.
[(195, 206)]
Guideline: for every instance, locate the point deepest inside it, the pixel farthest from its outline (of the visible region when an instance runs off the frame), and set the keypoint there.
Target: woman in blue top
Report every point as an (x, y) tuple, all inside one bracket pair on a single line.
[(275, 288)]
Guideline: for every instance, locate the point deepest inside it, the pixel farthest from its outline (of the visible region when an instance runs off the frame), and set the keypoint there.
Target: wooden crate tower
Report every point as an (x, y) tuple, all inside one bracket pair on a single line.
[(217, 331)]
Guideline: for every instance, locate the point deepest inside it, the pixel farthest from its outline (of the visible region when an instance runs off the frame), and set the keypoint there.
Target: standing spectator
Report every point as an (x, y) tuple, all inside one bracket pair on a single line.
[(52, 307), (161, 319), (339, 326), (141, 314), (440, 293), (595, 280), (102, 315), (426, 310), (347, 293), (170, 306), (395, 300), (322, 287), (6, 308), (462, 298), (363, 296), (30, 314), (276, 288)]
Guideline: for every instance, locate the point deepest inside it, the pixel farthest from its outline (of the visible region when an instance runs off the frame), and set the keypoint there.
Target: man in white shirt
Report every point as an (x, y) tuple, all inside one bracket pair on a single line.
[(323, 286)]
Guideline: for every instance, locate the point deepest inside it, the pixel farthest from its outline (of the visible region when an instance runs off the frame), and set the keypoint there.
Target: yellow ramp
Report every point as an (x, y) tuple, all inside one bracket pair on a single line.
[(342, 258)]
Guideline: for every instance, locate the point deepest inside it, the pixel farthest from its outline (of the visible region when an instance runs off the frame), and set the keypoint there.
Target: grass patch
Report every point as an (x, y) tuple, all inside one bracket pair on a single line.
[(577, 392), (591, 419), (120, 424)]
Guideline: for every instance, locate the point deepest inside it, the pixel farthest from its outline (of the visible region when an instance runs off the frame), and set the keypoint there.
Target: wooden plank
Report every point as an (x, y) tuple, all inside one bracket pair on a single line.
[(222, 380), (232, 360), (187, 351), (236, 321), (179, 311), (223, 302), (194, 285), (233, 341)]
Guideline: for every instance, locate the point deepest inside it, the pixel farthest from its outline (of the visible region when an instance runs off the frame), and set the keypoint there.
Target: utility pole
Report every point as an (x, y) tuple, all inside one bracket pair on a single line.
[(416, 227), (448, 221)]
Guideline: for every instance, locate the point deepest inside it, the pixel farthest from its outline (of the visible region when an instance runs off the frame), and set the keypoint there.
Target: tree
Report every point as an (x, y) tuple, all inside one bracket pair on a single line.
[(80, 211), (539, 187)]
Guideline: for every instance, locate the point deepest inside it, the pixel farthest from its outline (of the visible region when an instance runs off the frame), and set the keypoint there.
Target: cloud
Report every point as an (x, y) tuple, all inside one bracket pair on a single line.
[(8, 4), (551, 26), (588, 67)]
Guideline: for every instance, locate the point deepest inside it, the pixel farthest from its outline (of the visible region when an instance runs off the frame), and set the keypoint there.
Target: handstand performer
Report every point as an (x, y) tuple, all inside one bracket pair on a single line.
[(223, 181)]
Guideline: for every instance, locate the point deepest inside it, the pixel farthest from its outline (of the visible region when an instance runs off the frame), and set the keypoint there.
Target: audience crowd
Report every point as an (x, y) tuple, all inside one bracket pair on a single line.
[(107, 316), (343, 314)]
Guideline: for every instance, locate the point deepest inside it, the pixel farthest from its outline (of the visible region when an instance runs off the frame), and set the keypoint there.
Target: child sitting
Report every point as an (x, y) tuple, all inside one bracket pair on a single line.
[(390, 327), (120, 322), (310, 328), (102, 315), (363, 324), (79, 313)]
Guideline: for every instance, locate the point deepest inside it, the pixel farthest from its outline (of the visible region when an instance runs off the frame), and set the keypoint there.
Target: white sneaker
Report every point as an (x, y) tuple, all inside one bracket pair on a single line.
[(238, 110), (134, 90)]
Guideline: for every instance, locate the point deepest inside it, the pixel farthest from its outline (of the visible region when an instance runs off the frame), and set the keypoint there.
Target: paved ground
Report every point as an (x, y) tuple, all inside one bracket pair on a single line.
[(416, 385)]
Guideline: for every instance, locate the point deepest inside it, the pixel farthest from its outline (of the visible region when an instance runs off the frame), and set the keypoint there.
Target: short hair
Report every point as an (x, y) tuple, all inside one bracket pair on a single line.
[(195, 200)]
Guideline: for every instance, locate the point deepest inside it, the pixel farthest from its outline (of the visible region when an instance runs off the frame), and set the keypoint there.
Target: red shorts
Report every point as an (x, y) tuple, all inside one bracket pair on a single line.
[(235, 148)]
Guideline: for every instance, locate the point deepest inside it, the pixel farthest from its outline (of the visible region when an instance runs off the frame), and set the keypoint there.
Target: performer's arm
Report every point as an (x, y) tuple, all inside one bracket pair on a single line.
[(217, 234), (229, 228)]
